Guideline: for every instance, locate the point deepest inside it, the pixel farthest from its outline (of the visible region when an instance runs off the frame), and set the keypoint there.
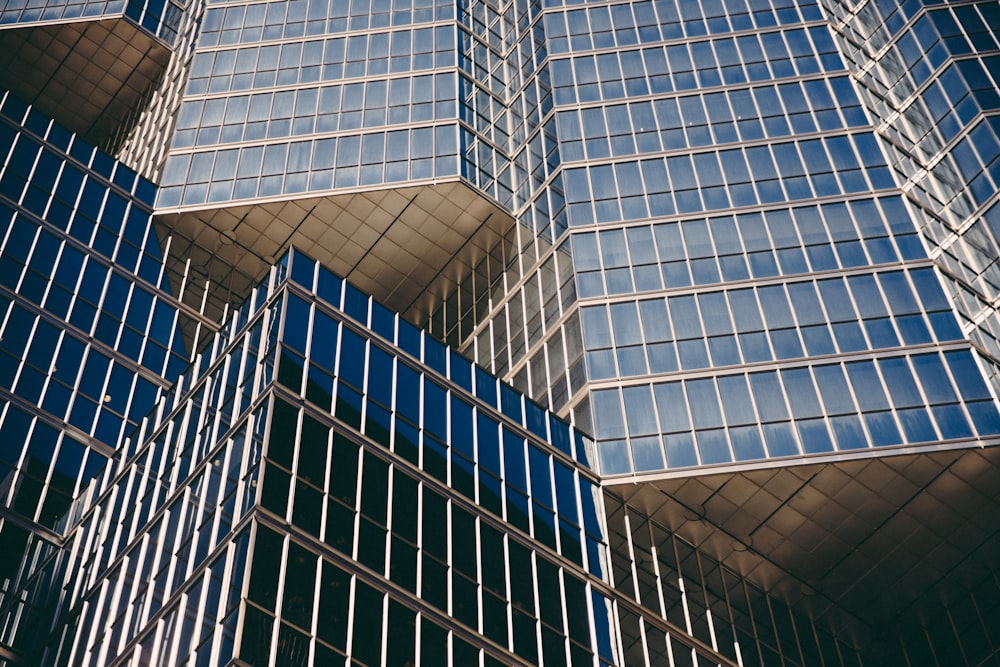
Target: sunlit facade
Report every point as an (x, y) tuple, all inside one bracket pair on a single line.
[(408, 332)]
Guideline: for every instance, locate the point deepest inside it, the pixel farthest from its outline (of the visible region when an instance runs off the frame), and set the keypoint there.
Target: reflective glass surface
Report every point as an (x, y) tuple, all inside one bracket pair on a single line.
[(461, 513)]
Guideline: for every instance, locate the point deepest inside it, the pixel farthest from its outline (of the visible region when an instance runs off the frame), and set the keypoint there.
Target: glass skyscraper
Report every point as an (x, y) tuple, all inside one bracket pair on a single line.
[(397, 332)]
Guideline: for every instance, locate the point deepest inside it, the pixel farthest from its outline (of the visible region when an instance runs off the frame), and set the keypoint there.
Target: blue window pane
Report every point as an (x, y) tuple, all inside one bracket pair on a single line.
[(704, 403), (626, 324), (848, 433), (601, 364), (768, 396), (514, 469), (801, 392), (608, 414), (713, 446), (296, 328), (747, 443), (614, 457), (933, 378), (672, 407), (967, 375), (736, 400), (755, 347), (352, 359), (680, 450), (849, 336), (510, 402), (985, 417), (917, 425), (899, 380), (486, 387), (724, 350), (647, 454), (488, 443), (814, 435), (780, 439), (881, 333), (596, 330), (951, 421), (883, 429), (541, 476), (833, 387), (913, 329), (662, 358), (639, 410), (867, 386), (786, 344), (565, 482)]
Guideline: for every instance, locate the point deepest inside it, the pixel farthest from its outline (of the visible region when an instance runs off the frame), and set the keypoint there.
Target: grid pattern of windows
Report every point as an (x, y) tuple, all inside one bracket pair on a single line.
[(388, 521), (825, 407), (504, 106), (352, 616), (284, 50), (910, 52), (233, 23), (706, 119), (89, 332), (148, 587), (329, 109), (188, 482), (419, 432), (136, 321), (779, 321), (78, 233), (529, 313), (793, 148), (950, 101), (363, 493), (935, 95), (769, 244), (73, 380), (504, 317), (627, 23), (296, 111), (88, 328), (704, 64), (43, 469), (972, 161), (333, 59), (740, 176), (520, 414), (347, 161), (483, 62), (385, 538)]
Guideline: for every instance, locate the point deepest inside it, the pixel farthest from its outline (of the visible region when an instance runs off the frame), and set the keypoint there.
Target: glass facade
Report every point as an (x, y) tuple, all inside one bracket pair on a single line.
[(933, 87), (738, 235), (288, 510), (399, 332), (90, 333), (285, 98)]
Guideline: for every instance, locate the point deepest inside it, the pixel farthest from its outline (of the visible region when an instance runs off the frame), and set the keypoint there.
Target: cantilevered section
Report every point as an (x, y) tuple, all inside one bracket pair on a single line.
[(876, 546), (90, 76), (91, 67), (407, 247)]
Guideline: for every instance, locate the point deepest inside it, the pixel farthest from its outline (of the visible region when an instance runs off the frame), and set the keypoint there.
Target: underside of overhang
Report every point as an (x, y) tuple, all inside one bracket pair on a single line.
[(407, 247), (872, 545), (91, 76)]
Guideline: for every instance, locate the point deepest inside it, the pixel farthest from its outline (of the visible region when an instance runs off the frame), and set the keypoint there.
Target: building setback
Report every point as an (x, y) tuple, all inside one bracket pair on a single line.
[(406, 332)]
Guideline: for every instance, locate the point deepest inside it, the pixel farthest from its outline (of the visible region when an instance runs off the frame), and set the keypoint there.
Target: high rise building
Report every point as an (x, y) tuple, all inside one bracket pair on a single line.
[(726, 271)]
